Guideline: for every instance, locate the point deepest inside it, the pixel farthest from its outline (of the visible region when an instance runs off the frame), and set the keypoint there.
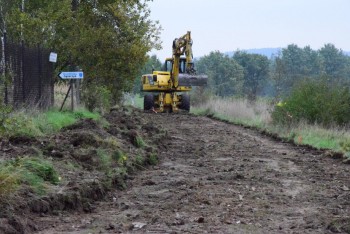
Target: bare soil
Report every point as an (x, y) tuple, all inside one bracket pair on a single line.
[(212, 177)]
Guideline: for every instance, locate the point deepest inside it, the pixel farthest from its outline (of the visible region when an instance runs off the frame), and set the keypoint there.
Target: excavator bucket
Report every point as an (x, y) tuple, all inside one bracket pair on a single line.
[(192, 80)]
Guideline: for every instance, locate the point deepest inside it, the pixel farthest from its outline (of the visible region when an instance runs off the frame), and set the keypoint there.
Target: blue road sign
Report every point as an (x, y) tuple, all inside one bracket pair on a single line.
[(71, 75)]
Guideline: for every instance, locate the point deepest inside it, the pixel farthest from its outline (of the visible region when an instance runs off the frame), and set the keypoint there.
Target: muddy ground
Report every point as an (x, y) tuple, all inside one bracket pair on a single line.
[(214, 177)]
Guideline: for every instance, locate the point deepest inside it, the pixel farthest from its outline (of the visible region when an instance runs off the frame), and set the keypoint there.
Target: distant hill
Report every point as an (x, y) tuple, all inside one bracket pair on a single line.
[(269, 52)]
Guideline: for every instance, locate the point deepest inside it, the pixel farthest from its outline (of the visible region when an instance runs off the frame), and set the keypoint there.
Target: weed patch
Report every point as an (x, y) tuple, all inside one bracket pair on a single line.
[(139, 142), (153, 159)]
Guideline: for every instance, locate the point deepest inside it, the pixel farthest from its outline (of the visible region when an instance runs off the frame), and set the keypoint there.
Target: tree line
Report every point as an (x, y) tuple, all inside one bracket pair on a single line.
[(252, 75)]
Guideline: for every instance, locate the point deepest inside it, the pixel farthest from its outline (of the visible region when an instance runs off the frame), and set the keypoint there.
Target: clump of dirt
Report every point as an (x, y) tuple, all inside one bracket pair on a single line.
[(91, 157)]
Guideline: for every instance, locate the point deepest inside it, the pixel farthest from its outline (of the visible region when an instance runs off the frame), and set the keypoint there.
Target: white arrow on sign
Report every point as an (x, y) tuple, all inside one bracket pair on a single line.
[(71, 75)]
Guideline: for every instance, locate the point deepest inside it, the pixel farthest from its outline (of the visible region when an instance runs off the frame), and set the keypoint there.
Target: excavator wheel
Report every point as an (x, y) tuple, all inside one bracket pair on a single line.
[(185, 102), (148, 102)]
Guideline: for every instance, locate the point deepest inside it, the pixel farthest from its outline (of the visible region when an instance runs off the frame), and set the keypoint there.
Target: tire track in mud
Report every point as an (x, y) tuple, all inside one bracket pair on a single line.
[(215, 177)]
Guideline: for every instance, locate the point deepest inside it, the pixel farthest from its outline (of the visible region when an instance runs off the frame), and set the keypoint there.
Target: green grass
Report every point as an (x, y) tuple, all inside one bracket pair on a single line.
[(33, 172), (9, 180), (105, 159), (253, 115), (153, 159), (139, 160), (135, 100), (40, 124)]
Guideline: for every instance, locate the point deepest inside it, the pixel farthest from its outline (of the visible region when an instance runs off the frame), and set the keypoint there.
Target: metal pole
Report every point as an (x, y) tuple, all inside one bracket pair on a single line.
[(22, 72), (5, 65), (72, 94), (40, 86), (64, 101)]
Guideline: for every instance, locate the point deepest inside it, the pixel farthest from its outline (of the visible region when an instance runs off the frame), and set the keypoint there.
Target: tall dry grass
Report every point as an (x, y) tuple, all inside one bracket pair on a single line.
[(237, 110)]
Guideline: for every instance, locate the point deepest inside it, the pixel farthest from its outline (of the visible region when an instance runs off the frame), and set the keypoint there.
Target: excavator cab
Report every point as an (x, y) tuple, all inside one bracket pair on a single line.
[(168, 65)]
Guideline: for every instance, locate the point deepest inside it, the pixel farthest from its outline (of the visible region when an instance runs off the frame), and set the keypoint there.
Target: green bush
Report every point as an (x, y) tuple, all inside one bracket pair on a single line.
[(96, 97), (315, 101)]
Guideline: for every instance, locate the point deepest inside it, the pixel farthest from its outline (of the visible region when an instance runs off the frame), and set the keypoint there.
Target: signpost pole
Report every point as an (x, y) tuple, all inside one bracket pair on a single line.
[(72, 93), (64, 101)]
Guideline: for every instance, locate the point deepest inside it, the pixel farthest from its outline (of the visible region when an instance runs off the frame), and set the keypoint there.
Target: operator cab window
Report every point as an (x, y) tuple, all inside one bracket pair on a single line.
[(182, 65), (168, 65), (150, 80)]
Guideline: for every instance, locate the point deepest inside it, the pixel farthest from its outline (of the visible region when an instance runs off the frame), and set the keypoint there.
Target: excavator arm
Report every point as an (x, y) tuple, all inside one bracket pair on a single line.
[(181, 46)]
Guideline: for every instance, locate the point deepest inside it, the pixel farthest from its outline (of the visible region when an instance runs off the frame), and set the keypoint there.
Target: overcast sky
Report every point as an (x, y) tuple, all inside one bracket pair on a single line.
[(227, 25)]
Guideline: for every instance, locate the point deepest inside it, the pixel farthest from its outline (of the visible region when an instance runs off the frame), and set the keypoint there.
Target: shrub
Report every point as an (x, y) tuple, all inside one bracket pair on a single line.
[(96, 97), (315, 101)]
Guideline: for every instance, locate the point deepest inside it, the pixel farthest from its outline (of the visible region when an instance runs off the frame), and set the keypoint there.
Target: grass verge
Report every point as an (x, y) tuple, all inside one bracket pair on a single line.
[(40, 124), (257, 115)]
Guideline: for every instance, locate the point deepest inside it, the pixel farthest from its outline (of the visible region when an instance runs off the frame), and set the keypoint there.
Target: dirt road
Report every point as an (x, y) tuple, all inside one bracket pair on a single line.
[(214, 177)]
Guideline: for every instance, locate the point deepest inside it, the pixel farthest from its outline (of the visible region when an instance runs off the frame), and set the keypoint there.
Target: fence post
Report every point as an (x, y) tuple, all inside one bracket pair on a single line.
[(22, 73), (5, 66), (40, 86)]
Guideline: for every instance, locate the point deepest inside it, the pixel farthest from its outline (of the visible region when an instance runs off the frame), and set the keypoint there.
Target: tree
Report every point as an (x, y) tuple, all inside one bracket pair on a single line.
[(293, 65), (107, 39), (225, 75), (277, 75), (256, 70), (311, 63), (292, 58), (333, 61)]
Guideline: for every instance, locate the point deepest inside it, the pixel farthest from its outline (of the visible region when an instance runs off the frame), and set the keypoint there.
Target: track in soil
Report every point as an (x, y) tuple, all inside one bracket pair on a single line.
[(214, 177)]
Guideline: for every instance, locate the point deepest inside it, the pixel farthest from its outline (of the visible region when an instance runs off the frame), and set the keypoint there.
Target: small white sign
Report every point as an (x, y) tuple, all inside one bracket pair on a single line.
[(53, 57)]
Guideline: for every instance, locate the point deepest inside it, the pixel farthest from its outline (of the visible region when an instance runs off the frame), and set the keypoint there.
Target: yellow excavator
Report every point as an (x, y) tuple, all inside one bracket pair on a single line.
[(167, 88)]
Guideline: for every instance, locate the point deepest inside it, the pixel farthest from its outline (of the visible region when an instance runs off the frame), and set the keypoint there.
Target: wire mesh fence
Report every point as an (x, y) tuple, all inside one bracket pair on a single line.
[(26, 76)]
